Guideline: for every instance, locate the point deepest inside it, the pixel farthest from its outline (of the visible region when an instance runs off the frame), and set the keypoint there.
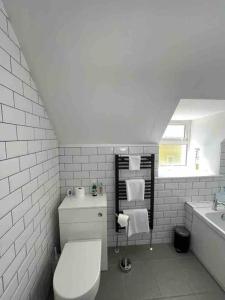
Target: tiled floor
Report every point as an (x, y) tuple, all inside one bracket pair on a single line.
[(161, 274)]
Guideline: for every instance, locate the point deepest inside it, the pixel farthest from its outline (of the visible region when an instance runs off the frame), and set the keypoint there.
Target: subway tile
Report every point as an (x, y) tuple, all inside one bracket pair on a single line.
[(27, 161), (42, 156), (3, 22), (89, 151), (20, 72), (19, 179), (24, 62), (97, 158), (71, 151), (97, 174), (22, 103), (10, 272), (7, 132), (5, 224), (89, 167), (6, 96), (31, 241), (80, 175), (12, 115), (9, 167), (105, 166), (9, 46), (4, 187), (29, 215), (21, 209), (66, 159), (8, 293), (9, 80), (6, 259), (32, 120), (23, 238), (105, 150), (72, 167), (24, 266), (30, 93), (121, 150), (10, 236), (34, 146), (136, 149), (16, 148), (4, 57), (19, 291), (2, 151), (29, 188), (79, 159), (38, 110), (25, 133)]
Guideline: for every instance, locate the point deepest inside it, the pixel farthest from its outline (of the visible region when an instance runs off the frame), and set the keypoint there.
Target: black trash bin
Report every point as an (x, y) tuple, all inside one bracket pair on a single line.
[(182, 238)]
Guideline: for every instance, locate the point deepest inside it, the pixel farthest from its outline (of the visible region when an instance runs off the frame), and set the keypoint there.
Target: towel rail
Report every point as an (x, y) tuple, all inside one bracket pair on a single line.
[(122, 163)]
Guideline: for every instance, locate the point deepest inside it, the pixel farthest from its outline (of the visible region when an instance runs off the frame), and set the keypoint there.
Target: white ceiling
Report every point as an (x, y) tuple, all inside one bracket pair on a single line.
[(192, 109), (114, 71)]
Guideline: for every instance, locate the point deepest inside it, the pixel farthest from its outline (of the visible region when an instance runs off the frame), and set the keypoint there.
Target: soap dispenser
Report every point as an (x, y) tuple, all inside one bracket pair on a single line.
[(94, 190)]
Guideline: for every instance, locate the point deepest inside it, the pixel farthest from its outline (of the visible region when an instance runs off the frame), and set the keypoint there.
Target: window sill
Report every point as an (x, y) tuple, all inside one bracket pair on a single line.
[(179, 172)]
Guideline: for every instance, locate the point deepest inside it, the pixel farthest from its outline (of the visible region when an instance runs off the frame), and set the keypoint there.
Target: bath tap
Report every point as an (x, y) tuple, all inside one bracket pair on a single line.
[(216, 203)]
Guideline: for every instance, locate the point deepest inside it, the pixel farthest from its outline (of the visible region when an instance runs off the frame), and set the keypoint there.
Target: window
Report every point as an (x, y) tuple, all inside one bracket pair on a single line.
[(174, 145)]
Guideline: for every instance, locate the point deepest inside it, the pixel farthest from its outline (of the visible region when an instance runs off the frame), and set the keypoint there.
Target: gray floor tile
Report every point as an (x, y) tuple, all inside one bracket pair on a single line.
[(111, 285), (141, 283), (211, 296), (160, 275)]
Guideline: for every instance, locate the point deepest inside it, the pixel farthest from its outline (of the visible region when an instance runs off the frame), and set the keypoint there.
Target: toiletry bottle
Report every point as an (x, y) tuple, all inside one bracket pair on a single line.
[(100, 188), (94, 190)]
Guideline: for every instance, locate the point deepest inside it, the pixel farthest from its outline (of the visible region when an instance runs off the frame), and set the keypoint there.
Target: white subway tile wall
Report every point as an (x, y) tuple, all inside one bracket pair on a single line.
[(86, 165), (29, 177)]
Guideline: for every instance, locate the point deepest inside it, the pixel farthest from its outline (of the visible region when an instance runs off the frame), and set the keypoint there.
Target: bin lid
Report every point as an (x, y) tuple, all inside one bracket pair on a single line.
[(181, 230)]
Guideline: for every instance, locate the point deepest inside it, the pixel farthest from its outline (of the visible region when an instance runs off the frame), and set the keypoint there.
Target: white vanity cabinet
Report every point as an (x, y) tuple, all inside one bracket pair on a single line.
[(84, 219)]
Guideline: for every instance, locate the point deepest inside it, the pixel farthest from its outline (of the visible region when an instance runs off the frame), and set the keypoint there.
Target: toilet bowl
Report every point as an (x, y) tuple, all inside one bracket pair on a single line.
[(77, 274)]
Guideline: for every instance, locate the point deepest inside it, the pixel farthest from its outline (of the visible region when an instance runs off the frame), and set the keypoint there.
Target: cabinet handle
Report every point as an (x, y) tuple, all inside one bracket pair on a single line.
[(100, 214)]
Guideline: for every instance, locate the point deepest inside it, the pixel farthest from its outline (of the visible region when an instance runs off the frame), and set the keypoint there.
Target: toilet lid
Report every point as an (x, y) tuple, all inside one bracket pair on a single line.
[(78, 268)]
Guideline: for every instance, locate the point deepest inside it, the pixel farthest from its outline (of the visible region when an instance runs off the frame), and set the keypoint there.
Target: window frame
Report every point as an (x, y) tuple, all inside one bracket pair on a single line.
[(178, 141)]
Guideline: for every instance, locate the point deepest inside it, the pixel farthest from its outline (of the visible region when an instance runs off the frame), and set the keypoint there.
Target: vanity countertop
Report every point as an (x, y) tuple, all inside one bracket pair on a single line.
[(88, 201)]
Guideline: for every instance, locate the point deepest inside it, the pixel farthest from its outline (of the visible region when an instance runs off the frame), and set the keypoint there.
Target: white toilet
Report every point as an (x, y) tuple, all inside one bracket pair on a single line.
[(77, 274)]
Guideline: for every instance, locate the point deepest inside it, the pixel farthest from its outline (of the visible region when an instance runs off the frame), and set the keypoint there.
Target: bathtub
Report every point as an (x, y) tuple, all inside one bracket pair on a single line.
[(208, 239)]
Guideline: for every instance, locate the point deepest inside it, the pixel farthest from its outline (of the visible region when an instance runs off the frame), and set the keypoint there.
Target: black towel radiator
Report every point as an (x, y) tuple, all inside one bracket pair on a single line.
[(122, 163)]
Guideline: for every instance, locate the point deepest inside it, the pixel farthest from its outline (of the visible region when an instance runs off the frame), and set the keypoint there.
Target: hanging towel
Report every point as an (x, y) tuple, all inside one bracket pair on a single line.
[(134, 162), (138, 220), (135, 189)]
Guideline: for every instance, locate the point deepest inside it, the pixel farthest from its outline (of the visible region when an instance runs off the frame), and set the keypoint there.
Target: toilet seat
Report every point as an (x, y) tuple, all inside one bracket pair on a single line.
[(77, 274)]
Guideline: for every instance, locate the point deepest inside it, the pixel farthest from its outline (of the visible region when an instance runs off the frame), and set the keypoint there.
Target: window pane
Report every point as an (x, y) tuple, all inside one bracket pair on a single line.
[(172, 155), (174, 132)]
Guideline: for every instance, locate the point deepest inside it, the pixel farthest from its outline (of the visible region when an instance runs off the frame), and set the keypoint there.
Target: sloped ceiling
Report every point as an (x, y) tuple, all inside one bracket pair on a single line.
[(113, 71)]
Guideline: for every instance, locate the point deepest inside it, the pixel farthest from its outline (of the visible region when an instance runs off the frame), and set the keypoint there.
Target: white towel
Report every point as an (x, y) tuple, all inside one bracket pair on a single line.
[(135, 189), (138, 220), (134, 162)]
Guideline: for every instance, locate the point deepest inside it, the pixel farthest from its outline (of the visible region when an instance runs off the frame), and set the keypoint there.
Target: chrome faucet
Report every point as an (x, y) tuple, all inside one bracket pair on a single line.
[(216, 203)]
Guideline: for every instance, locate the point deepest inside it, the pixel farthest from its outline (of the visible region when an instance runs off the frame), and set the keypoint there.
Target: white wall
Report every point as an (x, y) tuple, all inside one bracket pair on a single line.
[(29, 177), (207, 134), (114, 71)]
